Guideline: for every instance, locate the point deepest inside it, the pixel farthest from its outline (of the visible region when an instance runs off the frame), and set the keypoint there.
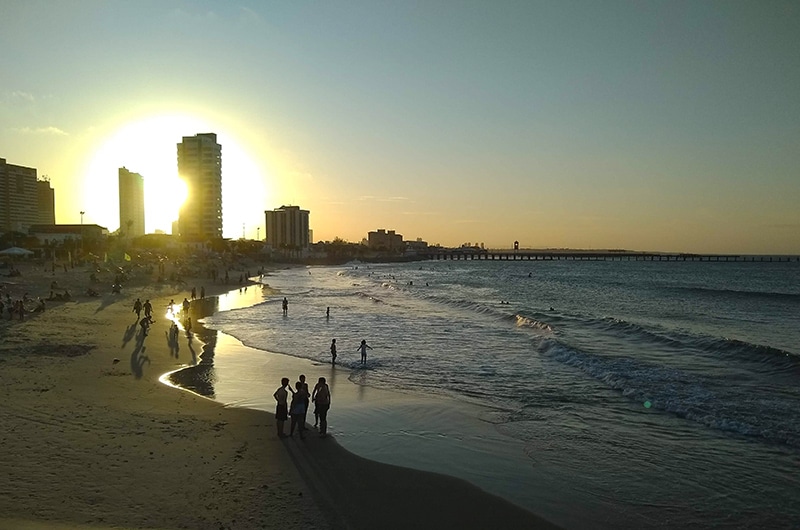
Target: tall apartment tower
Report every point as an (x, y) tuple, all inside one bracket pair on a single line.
[(19, 202), (131, 203), (46, 199), (200, 167), (287, 227)]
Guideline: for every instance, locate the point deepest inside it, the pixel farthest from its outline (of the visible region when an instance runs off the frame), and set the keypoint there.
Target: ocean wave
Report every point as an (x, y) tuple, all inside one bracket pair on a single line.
[(703, 399), (742, 293), (525, 322), (716, 346), (368, 296)]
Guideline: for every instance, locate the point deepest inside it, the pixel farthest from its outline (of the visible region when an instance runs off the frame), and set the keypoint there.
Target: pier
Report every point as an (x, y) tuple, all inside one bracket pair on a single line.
[(589, 255)]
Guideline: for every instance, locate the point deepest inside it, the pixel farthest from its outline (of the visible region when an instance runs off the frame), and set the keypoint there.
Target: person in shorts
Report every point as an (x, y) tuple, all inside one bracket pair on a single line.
[(281, 409)]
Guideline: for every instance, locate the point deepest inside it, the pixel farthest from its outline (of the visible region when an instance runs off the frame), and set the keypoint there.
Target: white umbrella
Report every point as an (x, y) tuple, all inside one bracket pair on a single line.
[(15, 251)]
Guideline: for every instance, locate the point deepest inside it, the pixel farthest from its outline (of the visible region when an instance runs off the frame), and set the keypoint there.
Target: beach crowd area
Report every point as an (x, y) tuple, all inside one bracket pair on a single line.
[(92, 438)]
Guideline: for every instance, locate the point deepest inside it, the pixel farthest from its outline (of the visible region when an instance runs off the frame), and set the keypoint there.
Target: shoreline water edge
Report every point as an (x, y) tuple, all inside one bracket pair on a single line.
[(364, 419)]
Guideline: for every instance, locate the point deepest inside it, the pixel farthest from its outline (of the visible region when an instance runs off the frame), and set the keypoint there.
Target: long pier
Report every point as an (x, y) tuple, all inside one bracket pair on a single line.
[(566, 255)]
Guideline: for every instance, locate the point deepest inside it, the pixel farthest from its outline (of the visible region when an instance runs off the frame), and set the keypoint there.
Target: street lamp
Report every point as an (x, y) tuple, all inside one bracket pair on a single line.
[(82, 212)]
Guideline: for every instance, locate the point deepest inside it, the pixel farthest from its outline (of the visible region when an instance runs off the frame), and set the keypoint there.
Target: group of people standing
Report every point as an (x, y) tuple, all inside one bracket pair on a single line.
[(297, 409)]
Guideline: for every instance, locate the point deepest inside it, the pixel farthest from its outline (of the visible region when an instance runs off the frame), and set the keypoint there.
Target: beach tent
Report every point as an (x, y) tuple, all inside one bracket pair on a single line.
[(16, 252)]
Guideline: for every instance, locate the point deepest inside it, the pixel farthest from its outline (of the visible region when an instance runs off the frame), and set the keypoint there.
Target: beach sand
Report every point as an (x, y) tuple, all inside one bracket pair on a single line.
[(92, 439)]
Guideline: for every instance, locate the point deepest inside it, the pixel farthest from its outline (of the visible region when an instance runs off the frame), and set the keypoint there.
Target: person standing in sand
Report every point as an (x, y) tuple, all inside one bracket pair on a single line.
[(281, 409), (322, 403), (363, 347), (306, 398), (298, 409)]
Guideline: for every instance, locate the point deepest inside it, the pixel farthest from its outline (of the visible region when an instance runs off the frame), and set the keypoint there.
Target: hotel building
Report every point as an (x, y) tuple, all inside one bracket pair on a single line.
[(287, 227), (19, 198), (200, 167), (131, 203), (46, 198)]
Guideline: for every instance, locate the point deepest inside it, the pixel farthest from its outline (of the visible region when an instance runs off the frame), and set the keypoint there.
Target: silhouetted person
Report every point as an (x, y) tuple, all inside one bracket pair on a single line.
[(281, 409), (322, 403), (298, 408), (285, 306), (333, 351), (363, 347)]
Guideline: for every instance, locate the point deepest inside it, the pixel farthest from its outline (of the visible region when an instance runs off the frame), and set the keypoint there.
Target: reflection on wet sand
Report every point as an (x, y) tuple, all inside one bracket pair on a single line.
[(199, 377)]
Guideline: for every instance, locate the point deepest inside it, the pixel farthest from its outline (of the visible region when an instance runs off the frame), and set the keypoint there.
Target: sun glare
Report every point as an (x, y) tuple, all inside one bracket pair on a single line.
[(148, 147)]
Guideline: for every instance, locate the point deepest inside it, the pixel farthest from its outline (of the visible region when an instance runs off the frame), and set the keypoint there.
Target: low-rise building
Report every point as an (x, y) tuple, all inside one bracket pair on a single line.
[(383, 240), (57, 234)]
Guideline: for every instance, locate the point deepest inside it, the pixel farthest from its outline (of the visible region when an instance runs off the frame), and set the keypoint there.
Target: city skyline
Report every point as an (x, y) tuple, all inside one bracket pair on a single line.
[(665, 126)]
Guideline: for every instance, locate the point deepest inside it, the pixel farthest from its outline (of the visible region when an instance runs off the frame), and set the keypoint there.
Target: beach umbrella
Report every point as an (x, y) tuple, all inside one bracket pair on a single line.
[(16, 252)]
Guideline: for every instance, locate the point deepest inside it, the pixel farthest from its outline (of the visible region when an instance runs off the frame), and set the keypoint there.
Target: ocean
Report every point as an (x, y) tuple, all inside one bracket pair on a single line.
[(602, 394)]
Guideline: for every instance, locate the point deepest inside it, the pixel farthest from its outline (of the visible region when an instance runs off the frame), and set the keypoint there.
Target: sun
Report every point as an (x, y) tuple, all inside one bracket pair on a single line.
[(148, 146)]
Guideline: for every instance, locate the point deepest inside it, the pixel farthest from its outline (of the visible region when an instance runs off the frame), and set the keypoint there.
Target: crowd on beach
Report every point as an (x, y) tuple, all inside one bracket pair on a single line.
[(298, 408)]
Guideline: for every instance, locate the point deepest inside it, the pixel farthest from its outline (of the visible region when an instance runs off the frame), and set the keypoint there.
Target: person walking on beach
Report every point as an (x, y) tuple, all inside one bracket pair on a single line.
[(137, 308), (364, 347), (285, 306), (186, 305), (281, 409), (298, 409), (333, 351), (148, 309), (322, 403)]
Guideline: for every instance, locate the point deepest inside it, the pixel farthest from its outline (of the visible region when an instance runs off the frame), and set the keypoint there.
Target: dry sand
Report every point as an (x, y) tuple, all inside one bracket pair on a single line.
[(92, 439)]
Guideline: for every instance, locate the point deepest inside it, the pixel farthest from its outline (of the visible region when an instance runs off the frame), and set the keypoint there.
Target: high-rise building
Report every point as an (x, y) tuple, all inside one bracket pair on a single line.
[(19, 202), (287, 227), (200, 167), (131, 203), (46, 202)]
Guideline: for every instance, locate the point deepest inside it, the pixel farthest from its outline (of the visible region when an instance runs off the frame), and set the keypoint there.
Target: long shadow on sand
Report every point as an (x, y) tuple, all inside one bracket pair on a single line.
[(107, 300), (199, 377), (130, 331), (138, 357)]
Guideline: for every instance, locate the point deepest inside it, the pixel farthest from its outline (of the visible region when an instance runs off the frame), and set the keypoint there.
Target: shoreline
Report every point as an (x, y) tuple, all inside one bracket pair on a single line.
[(93, 438), (445, 424)]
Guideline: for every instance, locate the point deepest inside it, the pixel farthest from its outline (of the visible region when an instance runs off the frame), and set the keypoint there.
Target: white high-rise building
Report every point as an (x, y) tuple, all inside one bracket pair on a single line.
[(131, 203), (200, 167)]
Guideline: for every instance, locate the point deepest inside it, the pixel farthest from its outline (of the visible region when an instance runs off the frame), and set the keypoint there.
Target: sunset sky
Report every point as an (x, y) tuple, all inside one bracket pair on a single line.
[(647, 125)]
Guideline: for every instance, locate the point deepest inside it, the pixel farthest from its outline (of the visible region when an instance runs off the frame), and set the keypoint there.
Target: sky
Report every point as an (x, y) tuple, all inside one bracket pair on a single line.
[(645, 125)]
